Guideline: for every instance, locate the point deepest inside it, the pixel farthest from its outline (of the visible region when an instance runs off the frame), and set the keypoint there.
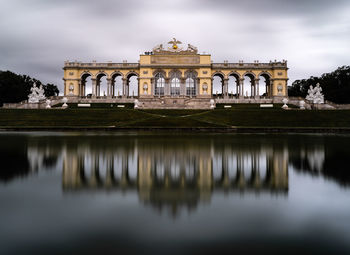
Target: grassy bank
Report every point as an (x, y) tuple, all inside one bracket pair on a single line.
[(239, 116)]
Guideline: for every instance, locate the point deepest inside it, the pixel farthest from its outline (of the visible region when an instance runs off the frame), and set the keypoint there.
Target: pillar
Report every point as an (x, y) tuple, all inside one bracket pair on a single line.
[(257, 88), (167, 87), (225, 88), (125, 85), (93, 80), (271, 88), (80, 89), (109, 87), (182, 87), (241, 92)]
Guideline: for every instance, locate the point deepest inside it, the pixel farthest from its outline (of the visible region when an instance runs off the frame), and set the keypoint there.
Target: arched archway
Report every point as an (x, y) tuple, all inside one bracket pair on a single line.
[(249, 85), (86, 84), (117, 85), (218, 84), (132, 84), (233, 85), (264, 84), (101, 85)]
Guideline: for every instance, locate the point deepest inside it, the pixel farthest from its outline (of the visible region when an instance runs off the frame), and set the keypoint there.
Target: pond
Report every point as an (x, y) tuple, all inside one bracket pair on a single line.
[(174, 193)]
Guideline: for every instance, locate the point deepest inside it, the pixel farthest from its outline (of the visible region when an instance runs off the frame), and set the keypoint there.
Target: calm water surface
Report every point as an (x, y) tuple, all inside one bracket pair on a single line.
[(94, 193)]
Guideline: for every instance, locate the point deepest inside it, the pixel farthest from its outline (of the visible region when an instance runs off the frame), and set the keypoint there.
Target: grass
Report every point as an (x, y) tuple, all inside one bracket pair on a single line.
[(237, 116)]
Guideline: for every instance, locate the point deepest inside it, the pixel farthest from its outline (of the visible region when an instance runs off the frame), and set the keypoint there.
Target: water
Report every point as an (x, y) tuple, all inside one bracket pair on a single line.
[(94, 193)]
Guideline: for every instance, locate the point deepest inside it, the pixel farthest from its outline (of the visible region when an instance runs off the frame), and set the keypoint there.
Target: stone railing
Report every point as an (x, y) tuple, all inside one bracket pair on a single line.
[(101, 65), (250, 65)]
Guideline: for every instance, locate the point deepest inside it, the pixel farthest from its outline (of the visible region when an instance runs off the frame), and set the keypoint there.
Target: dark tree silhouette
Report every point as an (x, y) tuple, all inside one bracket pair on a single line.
[(15, 88), (335, 85)]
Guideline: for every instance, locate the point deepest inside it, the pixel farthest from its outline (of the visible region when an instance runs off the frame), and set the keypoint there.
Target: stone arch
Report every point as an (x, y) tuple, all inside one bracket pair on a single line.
[(133, 84), (233, 84), (159, 71), (264, 89), (251, 92), (117, 86), (86, 86), (175, 72), (217, 87), (116, 73), (130, 74), (101, 85), (189, 71)]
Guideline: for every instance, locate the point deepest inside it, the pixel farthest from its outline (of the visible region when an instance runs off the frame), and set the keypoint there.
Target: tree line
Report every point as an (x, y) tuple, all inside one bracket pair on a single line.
[(15, 88), (335, 85)]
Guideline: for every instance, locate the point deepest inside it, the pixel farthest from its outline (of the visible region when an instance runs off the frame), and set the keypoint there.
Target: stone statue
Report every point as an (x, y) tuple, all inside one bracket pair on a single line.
[(285, 102), (212, 104), (315, 94), (158, 48), (36, 94), (136, 104), (192, 48), (64, 101), (48, 104), (175, 43)]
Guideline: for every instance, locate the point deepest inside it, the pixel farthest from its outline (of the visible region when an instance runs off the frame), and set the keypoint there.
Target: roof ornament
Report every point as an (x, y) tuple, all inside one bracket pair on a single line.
[(175, 42)]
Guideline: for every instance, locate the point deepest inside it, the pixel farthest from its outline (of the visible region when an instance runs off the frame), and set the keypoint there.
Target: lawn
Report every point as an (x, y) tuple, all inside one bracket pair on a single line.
[(239, 116)]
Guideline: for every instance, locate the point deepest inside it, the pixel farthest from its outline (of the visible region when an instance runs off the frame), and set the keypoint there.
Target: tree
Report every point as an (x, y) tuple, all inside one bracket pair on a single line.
[(15, 88), (51, 90), (335, 85)]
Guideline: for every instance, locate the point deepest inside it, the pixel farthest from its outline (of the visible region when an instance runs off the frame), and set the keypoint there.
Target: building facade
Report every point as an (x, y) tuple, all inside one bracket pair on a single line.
[(175, 72)]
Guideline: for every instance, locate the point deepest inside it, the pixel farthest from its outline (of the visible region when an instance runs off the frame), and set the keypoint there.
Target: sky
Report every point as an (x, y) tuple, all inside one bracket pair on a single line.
[(37, 36)]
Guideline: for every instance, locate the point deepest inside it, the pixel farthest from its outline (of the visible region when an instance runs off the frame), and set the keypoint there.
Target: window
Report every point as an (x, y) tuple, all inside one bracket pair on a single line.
[(190, 85), (159, 85), (175, 86)]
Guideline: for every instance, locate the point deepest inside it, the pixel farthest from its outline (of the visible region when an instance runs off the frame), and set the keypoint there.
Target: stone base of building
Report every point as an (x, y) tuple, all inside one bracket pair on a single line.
[(174, 103)]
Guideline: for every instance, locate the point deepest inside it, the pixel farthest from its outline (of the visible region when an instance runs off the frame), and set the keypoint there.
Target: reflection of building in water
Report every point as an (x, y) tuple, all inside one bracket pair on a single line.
[(168, 177)]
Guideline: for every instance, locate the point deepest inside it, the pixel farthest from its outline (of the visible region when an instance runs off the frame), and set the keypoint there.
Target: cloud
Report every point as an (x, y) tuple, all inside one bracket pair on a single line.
[(37, 36)]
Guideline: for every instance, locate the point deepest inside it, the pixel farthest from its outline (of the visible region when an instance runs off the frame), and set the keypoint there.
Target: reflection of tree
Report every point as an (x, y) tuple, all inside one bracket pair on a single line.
[(321, 156), (21, 155), (13, 158)]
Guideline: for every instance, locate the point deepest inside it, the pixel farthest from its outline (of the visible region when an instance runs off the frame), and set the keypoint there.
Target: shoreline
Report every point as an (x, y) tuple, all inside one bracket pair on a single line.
[(187, 129)]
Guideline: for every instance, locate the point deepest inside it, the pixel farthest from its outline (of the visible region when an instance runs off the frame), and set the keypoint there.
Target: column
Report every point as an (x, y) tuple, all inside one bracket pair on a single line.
[(197, 86), (80, 89), (125, 84), (257, 88), (167, 87), (225, 88), (237, 88), (241, 92), (109, 86), (182, 87), (271, 88), (153, 87), (93, 80)]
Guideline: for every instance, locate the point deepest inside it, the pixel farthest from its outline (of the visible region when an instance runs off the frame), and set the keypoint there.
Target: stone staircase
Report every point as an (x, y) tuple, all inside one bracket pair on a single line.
[(174, 103)]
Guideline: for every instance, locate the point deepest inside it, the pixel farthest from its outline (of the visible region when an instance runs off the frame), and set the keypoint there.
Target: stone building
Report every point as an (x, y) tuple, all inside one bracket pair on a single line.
[(177, 76)]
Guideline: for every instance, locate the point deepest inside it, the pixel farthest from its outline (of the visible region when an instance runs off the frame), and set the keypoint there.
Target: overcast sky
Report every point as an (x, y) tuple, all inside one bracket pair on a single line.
[(37, 36)]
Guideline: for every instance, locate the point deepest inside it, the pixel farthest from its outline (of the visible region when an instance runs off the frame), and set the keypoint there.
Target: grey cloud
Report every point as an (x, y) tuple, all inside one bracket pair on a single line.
[(38, 35)]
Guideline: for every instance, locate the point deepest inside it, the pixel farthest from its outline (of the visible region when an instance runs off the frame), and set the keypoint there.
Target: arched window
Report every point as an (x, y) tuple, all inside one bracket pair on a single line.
[(191, 85), (159, 85), (175, 86)]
